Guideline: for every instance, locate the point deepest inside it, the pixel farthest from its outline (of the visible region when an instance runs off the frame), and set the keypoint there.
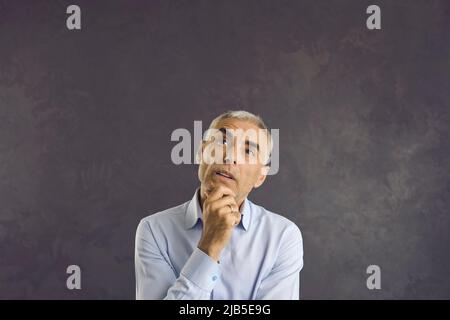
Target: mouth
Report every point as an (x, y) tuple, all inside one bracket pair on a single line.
[(224, 174)]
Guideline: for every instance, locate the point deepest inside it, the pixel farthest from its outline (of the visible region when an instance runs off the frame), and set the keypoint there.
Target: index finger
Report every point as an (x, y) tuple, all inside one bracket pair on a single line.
[(219, 192)]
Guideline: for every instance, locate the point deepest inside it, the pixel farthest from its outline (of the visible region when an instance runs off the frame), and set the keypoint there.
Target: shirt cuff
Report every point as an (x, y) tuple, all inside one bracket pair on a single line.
[(202, 270)]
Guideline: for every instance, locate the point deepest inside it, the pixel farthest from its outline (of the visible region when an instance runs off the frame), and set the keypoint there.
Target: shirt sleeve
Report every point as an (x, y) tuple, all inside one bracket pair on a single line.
[(283, 281), (156, 279)]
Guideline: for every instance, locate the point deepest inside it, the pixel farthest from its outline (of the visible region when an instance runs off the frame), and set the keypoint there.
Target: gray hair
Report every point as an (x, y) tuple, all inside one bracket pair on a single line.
[(245, 116)]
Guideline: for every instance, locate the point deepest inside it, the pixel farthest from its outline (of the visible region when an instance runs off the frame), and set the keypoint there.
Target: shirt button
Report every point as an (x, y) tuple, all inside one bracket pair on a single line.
[(214, 278)]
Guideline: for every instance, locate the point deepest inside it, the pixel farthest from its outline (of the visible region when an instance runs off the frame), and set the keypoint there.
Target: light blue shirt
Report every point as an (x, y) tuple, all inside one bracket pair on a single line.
[(262, 260)]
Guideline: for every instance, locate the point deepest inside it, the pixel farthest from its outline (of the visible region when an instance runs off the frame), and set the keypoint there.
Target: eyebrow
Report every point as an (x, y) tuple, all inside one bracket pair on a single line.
[(247, 142), (252, 144), (223, 130)]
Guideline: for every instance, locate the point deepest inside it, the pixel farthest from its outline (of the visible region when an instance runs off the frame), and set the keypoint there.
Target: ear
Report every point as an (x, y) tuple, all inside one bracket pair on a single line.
[(262, 177)]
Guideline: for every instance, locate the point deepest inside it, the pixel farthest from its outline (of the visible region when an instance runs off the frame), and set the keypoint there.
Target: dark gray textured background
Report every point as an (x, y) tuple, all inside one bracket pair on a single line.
[(86, 118)]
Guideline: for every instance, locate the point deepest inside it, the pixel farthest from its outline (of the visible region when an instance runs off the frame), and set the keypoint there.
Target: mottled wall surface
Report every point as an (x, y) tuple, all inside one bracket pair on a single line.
[(364, 118)]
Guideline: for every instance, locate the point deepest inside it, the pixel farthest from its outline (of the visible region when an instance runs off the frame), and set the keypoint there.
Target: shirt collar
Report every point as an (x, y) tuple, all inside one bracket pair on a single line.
[(194, 212)]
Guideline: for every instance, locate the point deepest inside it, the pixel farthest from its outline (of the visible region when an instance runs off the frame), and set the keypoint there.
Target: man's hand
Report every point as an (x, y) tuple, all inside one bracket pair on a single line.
[(220, 215)]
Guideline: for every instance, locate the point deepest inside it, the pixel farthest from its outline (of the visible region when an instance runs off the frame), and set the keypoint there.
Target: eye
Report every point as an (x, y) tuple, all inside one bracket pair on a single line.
[(250, 152), (222, 141)]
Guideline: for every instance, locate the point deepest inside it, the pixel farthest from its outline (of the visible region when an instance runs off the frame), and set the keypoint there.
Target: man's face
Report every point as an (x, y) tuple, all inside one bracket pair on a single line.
[(240, 164)]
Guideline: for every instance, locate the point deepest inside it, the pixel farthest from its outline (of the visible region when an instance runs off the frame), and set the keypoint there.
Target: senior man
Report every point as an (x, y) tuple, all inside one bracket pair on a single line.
[(220, 245)]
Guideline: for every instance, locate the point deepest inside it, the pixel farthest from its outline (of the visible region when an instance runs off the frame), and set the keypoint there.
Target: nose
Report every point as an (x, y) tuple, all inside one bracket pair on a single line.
[(229, 155)]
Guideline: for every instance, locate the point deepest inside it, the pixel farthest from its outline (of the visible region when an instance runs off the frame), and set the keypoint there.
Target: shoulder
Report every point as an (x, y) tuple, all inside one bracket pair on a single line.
[(162, 219), (281, 234), (278, 224)]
